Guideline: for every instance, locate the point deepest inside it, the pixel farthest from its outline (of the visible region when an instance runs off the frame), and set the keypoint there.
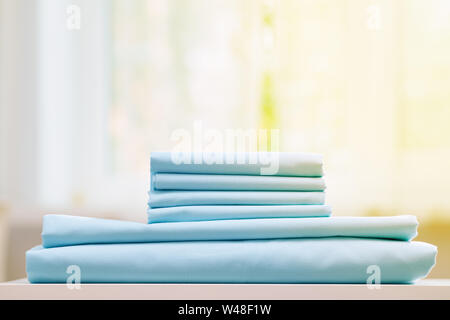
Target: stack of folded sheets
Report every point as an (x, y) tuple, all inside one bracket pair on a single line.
[(227, 223), (195, 192)]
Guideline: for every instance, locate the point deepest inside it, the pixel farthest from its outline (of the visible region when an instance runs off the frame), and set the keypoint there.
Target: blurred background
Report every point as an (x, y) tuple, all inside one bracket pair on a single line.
[(89, 88)]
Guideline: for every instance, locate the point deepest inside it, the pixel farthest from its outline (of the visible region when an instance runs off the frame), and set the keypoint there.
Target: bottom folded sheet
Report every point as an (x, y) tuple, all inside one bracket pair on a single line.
[(321, 260)]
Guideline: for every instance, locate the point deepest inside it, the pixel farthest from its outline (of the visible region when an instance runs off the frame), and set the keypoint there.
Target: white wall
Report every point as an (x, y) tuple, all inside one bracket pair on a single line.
[(18, 100), (54, 89), (18, 111)]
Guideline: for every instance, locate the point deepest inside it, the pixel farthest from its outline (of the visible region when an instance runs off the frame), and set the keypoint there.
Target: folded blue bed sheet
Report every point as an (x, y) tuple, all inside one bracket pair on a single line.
[(161, 199), (62, 230), (218, 212), (180, 181), (320, 260), (239, 163)]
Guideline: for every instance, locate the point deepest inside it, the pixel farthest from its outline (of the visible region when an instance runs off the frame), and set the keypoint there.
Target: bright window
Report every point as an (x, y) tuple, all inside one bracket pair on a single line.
[(365, 82)]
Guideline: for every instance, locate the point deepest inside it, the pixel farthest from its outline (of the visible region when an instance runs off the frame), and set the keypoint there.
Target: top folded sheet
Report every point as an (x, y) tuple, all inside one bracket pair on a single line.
[(294, 164)]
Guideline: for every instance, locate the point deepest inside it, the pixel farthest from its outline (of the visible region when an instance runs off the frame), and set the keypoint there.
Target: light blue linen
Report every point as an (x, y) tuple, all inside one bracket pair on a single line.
[(287, 163), (321, 260), (160, 199), (179, 181), (202, 213), (62, 230)]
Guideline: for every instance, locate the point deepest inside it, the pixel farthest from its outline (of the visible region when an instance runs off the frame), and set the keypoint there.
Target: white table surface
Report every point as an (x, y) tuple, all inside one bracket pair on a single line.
[(425, 289)]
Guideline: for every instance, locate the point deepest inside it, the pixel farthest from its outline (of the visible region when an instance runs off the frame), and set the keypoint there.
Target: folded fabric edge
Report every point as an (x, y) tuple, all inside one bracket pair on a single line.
[(222, 182), (172, 198), (152, 220), (183, 213)]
